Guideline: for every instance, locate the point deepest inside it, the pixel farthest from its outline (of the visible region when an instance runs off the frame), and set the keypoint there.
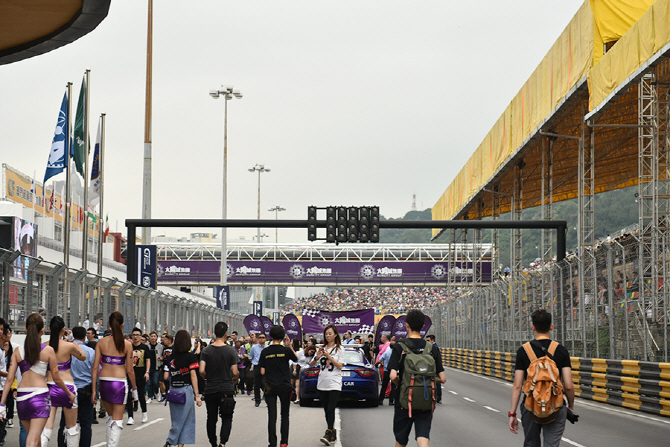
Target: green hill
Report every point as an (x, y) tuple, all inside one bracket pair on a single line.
[(614, 211)]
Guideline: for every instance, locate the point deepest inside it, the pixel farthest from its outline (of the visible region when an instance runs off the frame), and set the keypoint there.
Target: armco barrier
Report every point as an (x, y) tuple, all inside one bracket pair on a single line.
[(643, 386)]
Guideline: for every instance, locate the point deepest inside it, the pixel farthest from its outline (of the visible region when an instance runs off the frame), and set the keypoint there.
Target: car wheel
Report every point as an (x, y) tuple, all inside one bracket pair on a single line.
[(304, 402)]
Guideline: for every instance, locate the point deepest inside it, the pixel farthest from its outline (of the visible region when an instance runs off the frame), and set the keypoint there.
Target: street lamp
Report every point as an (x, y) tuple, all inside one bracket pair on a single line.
[(260, 168), (277, 209), (228, 92)]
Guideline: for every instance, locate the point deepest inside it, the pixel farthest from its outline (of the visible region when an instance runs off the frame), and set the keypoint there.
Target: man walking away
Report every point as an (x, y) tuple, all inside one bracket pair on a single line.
[(255, 356), (81, 374), (274, 366), (402, 418), (218, 366), (553, 431), (438, 391)]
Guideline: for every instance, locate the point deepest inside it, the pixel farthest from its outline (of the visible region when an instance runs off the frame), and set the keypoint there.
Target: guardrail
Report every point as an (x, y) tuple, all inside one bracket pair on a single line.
[(643, 386)]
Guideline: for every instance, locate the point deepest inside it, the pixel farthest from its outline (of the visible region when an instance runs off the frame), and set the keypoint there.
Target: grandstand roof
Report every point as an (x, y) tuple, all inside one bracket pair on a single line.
[(32, 27), (576, 79)]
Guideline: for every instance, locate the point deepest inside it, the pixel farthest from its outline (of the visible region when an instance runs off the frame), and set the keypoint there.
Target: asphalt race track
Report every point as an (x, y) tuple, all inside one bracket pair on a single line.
[(474, 413)]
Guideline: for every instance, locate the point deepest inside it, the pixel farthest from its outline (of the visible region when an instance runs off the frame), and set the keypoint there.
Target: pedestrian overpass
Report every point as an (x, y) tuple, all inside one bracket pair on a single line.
[(254, 264)]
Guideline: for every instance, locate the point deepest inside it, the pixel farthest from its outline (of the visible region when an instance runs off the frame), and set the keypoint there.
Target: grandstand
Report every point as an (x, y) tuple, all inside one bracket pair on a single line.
[(593, 117)]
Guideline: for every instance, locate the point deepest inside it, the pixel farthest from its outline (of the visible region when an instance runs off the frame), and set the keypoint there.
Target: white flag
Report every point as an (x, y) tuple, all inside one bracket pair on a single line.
[(96, 174)]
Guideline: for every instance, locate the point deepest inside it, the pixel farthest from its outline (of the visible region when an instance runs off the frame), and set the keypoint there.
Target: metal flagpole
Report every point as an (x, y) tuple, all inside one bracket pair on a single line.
[(146, 183), (68, 148), (84, 244), (101, 166)]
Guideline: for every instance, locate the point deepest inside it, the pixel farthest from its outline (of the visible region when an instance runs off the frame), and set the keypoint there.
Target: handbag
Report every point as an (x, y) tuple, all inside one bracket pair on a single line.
[(175, 397)]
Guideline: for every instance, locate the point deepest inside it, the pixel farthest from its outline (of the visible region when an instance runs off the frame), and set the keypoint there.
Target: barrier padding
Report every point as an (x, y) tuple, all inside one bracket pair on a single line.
[(633, 384)]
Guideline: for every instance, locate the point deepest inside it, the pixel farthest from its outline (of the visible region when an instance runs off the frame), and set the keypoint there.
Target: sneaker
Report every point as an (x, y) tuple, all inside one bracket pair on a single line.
[(248, 393), (131, 421), (94, 421), (145, 418), (283, 445), (162, 399), (148, 400), (297, 401), (325, 439), (10, 423), (258, 404)]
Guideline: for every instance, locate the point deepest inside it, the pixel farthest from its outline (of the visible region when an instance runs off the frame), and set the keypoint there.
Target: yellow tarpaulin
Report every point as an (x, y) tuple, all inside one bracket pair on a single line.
[(640, 28), (568, 61)]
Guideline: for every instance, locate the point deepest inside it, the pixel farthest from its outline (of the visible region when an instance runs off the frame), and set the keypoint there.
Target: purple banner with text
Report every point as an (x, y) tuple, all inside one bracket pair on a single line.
[(253, 324), (323, 272), (384, 327), (358, 321), (267, 325), (292, 326)]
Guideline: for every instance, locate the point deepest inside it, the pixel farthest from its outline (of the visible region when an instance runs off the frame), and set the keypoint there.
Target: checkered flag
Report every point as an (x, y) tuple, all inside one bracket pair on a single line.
[(365, 329), (310, 312)]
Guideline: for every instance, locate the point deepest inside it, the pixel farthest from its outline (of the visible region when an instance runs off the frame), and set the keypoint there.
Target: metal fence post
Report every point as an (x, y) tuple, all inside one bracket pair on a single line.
[(30, 292), (107, 301), (90, 283), (52, 289), (76, 285)]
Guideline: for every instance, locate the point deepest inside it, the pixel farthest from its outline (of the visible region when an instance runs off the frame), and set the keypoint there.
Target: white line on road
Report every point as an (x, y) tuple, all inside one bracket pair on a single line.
[(146, 424), (576, 444), (492, 409), (99, 445), (453, 392), (468, 399), (338, 426)]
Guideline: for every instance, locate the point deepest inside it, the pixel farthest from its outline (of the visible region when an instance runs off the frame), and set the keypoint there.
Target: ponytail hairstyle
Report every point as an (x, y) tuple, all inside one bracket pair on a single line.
[(116, 325), (57, 324), (32, 344)]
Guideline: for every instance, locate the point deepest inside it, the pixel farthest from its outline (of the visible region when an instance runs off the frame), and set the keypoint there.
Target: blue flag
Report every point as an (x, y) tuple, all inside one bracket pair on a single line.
[(58, 153)]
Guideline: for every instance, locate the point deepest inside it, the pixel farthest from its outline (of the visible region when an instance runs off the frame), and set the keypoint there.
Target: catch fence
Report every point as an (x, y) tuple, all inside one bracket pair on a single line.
[(617, 314)]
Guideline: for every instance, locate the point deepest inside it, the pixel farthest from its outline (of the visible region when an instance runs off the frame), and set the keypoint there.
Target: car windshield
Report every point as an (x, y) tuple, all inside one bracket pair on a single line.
[(354, 357)]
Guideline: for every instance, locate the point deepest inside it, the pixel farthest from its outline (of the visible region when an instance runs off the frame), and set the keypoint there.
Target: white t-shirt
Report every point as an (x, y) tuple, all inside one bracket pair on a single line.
[(330, 378), (3, 368)]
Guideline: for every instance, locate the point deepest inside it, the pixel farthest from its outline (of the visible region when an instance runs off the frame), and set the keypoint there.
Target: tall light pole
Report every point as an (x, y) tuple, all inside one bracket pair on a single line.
[(259, 168), (228, 92), (277, 209)]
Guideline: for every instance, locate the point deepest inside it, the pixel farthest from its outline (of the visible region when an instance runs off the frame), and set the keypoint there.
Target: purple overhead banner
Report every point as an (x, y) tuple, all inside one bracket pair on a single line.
[(323, 272), (360, 321), (292, 326)]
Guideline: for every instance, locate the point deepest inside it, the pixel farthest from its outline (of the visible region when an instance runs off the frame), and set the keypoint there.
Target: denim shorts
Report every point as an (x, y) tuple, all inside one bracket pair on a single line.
[(402, 424)]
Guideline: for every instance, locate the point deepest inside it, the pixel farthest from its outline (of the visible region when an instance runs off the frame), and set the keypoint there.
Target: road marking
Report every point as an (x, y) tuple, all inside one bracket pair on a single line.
[(572, 442), (468, 399), (453, 392), (581, 401), (337, 427), (492, 409), (99, 445), (146, 424), (616, 410)]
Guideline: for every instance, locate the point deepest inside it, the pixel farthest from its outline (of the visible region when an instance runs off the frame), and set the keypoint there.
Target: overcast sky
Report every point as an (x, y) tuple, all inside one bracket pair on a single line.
[(348, 102)]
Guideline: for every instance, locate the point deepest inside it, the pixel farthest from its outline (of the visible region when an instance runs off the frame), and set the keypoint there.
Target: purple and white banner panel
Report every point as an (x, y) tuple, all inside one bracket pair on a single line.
[(358, 321), (322, 272)]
